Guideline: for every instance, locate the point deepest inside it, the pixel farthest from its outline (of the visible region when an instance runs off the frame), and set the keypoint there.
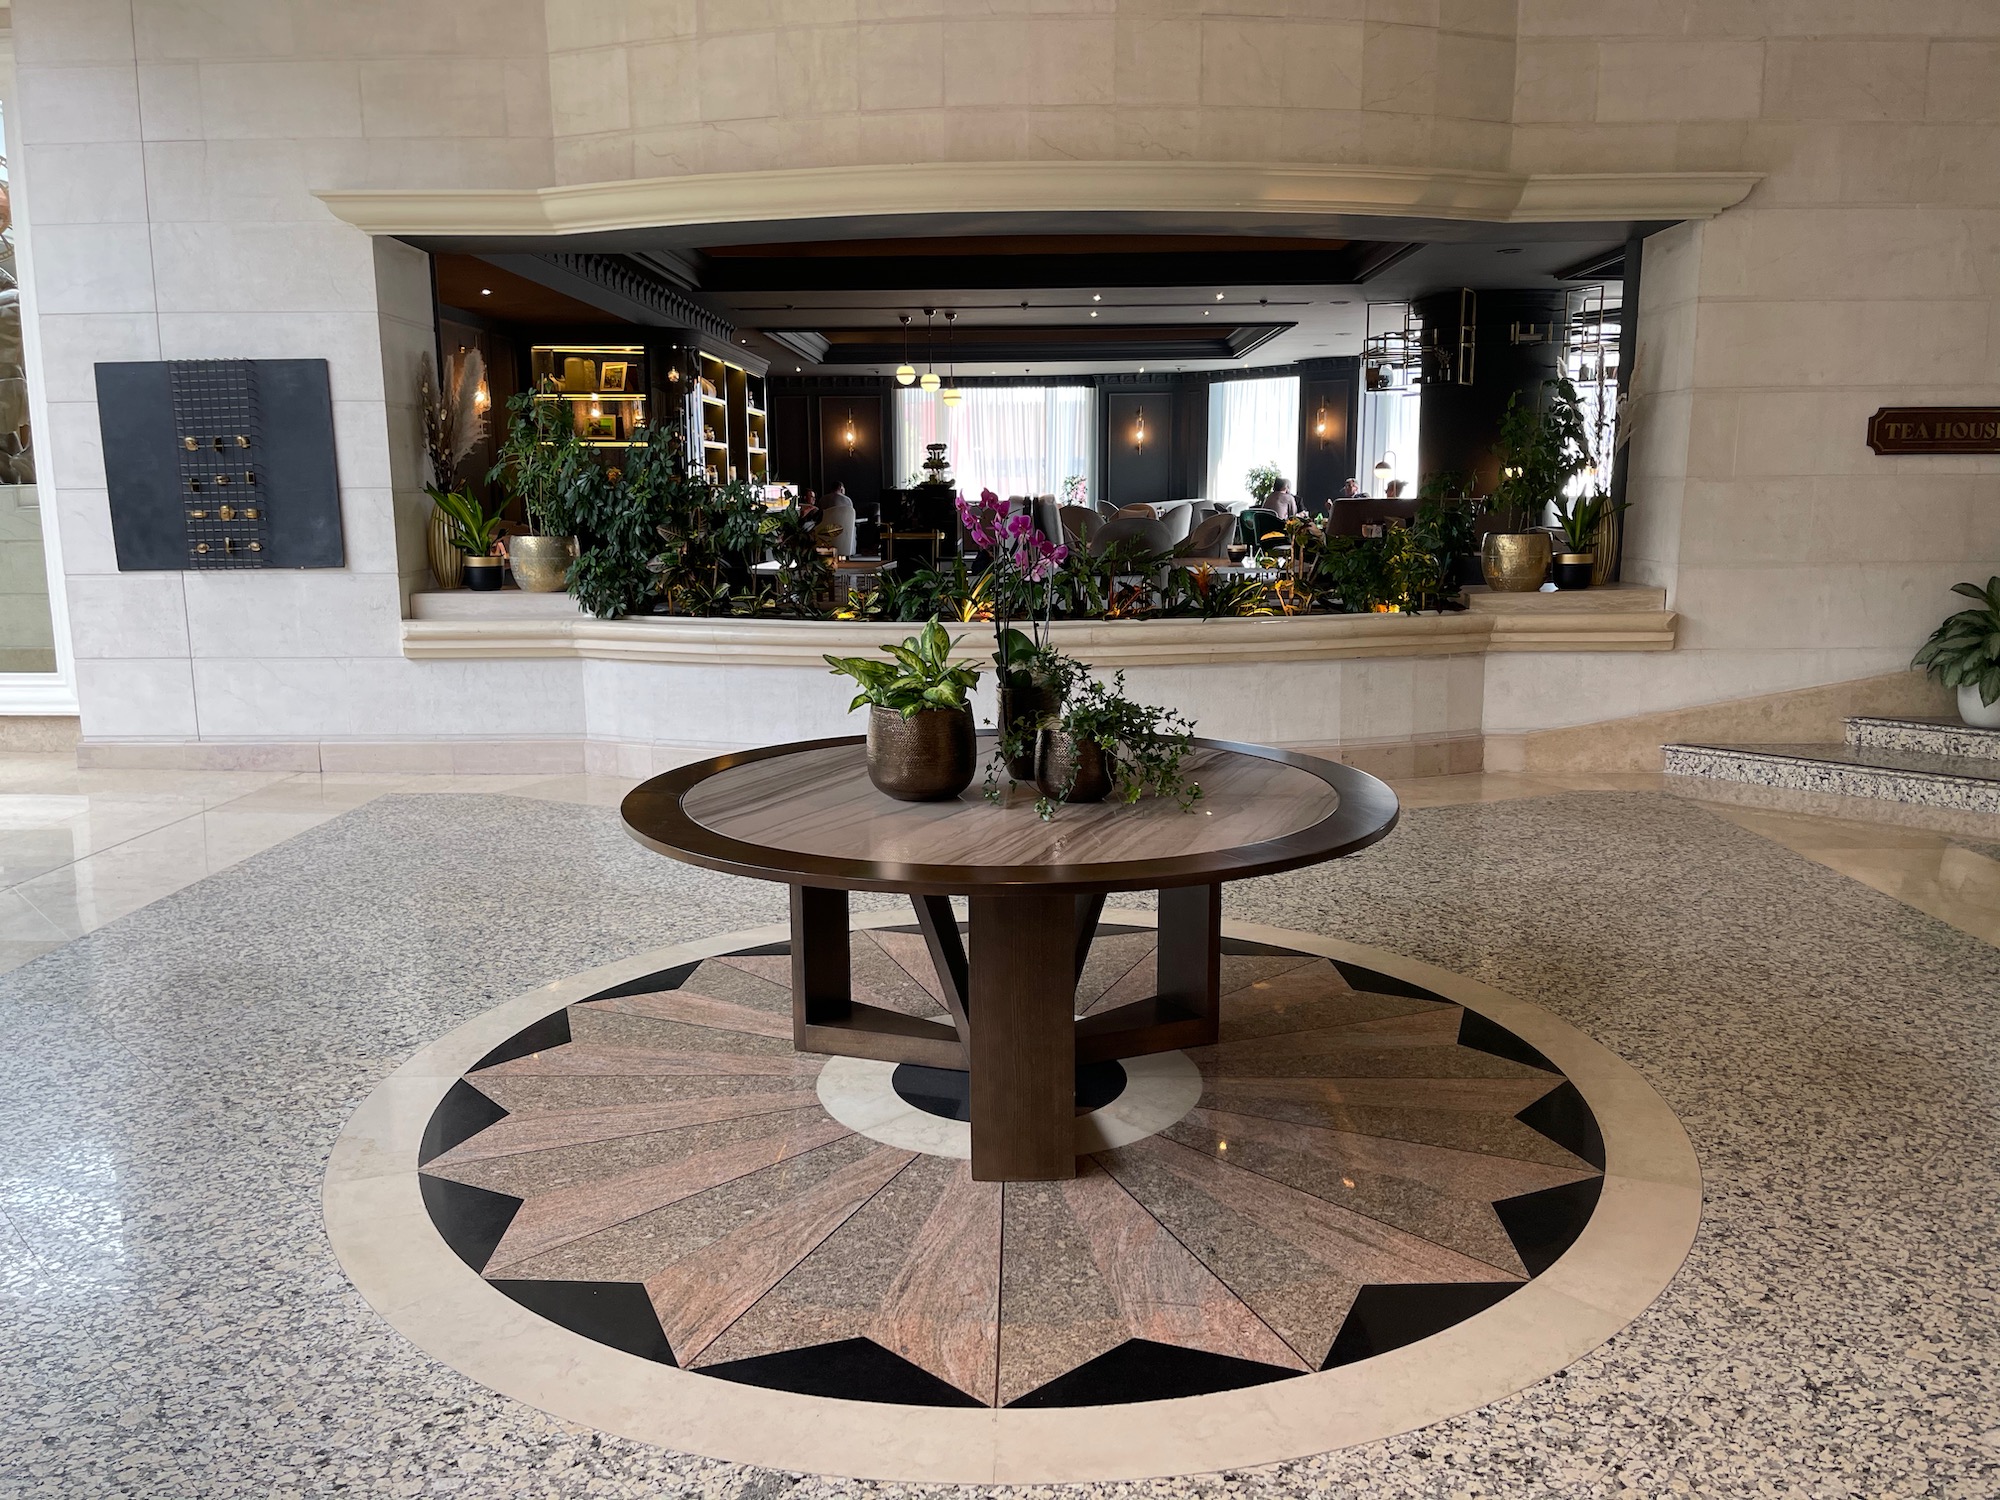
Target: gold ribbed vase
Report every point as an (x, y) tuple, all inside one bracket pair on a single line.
[(447, 562)]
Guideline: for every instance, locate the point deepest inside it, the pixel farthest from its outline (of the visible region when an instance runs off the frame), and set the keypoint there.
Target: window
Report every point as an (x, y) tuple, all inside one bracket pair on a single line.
[(1010, 439), (1251, 422), (1389, 435)]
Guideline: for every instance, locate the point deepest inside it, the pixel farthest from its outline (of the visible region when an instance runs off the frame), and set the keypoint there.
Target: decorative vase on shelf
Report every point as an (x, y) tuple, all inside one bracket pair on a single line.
[(1068, 769), (1022, 710), (447, 562), (1515, 562), (541, 563), (1574, 569), (1976, 714), (929, 757), (484, 574), (1610, 527)]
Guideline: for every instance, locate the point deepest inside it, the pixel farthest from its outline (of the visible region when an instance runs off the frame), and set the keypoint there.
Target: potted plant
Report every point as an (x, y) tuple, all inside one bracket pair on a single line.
[(1542, 448), (1579, 522), (538, 464), (1262, 482), (1964, 653), (921, 746), (1103, 744), (1024, 563), (454, 421), (475, 535)]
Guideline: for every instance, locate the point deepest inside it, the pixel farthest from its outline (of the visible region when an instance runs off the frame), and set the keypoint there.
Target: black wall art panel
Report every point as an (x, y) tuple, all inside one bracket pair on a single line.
[(220, 463)]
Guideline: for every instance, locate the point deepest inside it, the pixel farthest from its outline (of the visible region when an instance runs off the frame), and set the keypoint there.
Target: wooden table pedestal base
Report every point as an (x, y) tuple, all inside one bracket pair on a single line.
[(1012, 1003)]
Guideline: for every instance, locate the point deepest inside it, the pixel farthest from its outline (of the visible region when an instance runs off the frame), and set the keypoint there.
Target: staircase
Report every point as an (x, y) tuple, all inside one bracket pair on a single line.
[(1926, 762)]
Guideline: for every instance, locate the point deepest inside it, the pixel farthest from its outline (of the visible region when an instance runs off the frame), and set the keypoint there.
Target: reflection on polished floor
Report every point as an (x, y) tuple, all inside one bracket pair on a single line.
[(211, 972)]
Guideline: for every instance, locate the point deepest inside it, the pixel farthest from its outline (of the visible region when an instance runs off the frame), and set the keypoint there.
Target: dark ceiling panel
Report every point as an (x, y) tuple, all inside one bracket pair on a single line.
[(1109, 342), (896, 268)]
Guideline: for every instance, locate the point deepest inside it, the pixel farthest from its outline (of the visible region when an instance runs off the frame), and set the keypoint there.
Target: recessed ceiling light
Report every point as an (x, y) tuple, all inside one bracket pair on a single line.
[(1097, 296), (1218, 296), (1204, 312), (486, 291), (1093, 312)]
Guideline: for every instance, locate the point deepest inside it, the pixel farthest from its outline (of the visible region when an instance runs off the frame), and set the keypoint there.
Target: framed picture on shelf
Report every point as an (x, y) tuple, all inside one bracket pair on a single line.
[(611, 376), (605, 426)]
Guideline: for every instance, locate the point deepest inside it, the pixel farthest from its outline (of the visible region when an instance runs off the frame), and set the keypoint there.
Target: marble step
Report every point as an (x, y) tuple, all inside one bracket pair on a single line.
[(1964, 782), (1930, 736)]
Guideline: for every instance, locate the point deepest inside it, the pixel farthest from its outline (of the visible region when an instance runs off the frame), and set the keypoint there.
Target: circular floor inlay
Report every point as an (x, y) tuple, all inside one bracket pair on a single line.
[(1363, 1172)]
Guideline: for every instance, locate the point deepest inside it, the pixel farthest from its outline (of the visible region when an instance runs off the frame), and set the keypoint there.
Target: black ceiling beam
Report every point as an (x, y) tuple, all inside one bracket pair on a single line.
[(999, 346), (914, 274)]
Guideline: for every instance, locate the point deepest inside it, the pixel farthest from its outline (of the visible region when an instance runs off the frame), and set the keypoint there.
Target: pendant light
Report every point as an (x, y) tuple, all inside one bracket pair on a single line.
[(906, 373), (951, 395), (930, 381)]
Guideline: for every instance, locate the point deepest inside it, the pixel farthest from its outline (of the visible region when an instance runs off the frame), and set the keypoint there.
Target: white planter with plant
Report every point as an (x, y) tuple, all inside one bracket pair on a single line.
[(1964, 653)]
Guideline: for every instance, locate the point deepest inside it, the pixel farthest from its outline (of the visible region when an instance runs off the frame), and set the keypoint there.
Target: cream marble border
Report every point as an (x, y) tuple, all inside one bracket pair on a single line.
[(857, 1091), (1101, 643), (1276, 190), (1636, 1241)]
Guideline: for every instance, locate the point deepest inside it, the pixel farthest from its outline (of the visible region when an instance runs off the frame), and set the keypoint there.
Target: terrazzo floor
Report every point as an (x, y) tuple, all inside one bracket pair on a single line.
[(173, 1324)]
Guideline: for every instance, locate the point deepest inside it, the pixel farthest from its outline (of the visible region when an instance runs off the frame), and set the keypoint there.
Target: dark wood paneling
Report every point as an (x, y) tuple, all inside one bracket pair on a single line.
[(860, 467), (1326, 460), (1023, 1085), (1133, 476), (1459, 425), (794, 457)]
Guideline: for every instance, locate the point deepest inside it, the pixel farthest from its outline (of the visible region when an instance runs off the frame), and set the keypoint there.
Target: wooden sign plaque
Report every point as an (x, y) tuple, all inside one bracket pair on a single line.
[(1935, 429)]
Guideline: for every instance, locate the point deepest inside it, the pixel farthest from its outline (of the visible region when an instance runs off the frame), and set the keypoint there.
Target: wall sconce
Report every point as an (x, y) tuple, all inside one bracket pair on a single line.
[(1139, 432), (1320, 425), (480, 399), (847, 437)]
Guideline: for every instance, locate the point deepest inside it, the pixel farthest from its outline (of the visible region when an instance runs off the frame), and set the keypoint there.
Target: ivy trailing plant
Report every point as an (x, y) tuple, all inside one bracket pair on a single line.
[(1144, 747), (918, 675), (1964, 651)]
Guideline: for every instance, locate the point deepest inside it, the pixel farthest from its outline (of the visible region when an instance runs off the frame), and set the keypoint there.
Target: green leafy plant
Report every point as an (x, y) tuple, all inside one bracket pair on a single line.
[(471, 529), (1448, 529), (1579, 519), (1144, 747), (1544, 444), (1262, 480), (1965, 650), (919, 675), (540, 461)]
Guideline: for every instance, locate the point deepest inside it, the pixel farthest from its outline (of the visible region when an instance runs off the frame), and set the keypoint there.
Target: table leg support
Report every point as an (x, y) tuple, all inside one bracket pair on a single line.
[(1190, 959), (822, 986), (1022, 1002)]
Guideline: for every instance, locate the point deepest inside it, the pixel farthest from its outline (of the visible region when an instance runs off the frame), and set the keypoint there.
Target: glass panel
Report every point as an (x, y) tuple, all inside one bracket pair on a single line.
[(1251, 422), (1010, 439), (27, 637)]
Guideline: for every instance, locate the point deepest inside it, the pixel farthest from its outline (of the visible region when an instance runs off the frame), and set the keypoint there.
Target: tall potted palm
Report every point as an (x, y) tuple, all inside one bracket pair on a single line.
[(454, 420), (1543, 446)]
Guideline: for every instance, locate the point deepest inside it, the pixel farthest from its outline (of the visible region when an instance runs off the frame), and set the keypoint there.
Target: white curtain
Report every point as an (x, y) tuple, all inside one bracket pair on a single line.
[(1251, 422), (1389, 432), (1010, 439)]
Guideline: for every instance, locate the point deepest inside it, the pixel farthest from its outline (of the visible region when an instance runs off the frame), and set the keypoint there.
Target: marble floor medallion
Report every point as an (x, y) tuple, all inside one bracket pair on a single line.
[(1385, 1195)]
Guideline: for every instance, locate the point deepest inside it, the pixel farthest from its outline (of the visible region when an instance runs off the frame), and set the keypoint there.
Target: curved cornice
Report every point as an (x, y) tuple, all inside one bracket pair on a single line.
[(1236, 188)]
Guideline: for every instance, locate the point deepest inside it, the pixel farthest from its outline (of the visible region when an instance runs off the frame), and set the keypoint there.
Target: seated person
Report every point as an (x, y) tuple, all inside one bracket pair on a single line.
[(1393, 490), (808, 507), (836, 522), (1281, 502), (1351, 490)]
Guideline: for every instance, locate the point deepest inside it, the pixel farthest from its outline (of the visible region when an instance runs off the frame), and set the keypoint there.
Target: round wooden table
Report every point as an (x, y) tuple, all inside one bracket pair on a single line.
[(805, 815)]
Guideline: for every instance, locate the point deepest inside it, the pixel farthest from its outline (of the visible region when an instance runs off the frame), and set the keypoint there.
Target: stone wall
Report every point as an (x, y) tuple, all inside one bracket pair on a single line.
[(171, 151)]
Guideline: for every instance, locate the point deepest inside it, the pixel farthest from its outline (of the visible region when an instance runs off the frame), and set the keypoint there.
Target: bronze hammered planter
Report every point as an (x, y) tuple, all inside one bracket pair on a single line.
[(1063, 761), (1022, 710), (927, 758), (1515, 562), (541, 563)]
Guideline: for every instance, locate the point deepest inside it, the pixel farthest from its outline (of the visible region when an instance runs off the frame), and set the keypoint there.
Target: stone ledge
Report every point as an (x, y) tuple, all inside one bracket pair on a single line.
[(461, 625)]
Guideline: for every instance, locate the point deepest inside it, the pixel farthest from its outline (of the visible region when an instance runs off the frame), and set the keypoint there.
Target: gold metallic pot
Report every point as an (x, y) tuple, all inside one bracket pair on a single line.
[(541, 563), (1515, 562), (447, 562), (1068, 769), (929, 757)]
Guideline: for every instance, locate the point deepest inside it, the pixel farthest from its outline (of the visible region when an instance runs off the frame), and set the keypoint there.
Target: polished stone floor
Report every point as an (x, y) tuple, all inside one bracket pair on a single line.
[(212, 969)]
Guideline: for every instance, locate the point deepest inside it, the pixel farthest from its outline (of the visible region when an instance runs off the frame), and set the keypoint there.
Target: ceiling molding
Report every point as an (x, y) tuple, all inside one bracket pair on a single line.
[(1276, 191)]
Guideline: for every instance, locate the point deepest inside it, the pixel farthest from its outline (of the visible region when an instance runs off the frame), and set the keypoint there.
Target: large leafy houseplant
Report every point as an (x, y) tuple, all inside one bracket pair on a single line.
[(1964, 651), (1262, 481), (1544, 444), (918, 675)]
